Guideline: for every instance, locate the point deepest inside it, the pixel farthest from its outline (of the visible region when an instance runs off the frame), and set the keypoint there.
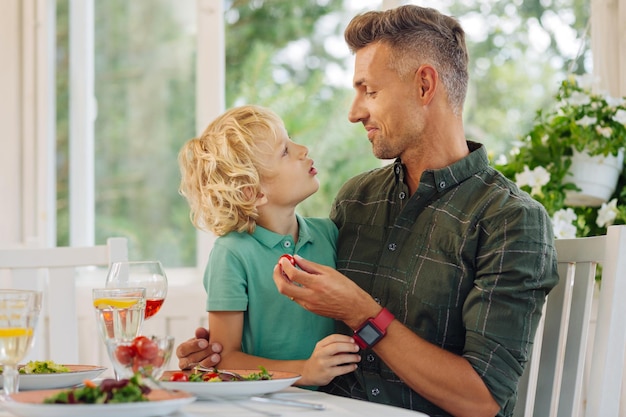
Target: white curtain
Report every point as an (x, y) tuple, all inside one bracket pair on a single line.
[(608, 43)]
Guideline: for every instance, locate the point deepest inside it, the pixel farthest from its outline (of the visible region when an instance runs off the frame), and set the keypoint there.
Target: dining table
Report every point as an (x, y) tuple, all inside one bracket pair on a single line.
[(288, 402), (326, 405)]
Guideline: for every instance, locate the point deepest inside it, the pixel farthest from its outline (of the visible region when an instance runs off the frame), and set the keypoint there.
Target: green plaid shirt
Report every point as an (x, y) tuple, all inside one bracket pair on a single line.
[(466, 263)]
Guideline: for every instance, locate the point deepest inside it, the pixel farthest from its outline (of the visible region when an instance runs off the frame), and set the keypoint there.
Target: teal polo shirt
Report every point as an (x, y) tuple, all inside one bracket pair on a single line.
[(238, 277)]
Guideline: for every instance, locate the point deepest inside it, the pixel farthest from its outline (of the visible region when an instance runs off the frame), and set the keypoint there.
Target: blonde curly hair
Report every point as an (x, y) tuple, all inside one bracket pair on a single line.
[(221, 171)]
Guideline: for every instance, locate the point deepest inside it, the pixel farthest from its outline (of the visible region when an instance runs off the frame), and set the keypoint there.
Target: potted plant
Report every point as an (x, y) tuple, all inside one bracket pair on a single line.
[(582, 122)]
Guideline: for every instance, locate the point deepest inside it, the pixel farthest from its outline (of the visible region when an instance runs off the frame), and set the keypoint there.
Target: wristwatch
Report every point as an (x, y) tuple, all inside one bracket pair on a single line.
[(374, 329)]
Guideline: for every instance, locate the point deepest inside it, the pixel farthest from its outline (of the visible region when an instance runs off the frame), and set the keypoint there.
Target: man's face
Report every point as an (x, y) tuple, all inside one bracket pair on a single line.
[(385, 104)]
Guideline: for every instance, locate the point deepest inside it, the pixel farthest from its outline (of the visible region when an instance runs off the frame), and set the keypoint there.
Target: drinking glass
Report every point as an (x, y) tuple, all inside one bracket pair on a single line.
[(19, 311), (119, 311), (147, 274)]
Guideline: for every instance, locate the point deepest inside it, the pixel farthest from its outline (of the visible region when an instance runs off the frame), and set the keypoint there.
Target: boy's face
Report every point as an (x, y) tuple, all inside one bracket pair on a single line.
[(291, 176)]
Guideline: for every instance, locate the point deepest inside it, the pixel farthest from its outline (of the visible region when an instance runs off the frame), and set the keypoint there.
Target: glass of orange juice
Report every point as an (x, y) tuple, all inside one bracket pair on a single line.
[(19, 311), (119, 311)]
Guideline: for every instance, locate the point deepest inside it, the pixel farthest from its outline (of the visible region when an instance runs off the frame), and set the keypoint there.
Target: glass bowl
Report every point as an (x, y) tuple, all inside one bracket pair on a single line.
[(147, 355)]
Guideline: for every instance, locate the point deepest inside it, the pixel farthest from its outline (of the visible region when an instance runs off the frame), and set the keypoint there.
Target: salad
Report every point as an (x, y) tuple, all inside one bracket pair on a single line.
[(109, 391), (215, 375), (42, 367)]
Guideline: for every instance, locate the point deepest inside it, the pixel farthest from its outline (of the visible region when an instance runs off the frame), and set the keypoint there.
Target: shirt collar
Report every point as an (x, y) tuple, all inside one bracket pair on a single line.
[(271, 239), (454, 174)]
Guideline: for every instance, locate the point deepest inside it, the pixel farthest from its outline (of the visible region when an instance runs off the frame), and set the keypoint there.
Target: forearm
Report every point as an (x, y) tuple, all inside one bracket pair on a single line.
[(445, 379)]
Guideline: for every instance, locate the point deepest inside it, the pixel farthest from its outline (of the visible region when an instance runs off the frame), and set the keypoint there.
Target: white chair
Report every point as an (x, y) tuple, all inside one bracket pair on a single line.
[(552, 384), (54, 271)]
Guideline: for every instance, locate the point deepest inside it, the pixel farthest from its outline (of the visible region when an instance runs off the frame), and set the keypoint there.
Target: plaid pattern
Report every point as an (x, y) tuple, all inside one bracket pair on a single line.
[(466, 263)]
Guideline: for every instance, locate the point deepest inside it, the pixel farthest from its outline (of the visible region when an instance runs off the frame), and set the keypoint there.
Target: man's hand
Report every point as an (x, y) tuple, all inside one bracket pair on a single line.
[(324, 291), (198, 351)]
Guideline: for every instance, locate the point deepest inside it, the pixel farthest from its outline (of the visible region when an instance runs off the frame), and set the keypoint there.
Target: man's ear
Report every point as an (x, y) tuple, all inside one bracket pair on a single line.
[(426, 80)]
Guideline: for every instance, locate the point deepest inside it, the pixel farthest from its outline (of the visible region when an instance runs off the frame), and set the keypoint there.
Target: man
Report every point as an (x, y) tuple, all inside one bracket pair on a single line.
[(443, 264)]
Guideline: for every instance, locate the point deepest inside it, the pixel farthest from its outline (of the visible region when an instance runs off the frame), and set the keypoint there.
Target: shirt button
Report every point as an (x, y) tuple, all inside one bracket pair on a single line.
[(375, 391), (287, 244), (442, 184), (371, 358), (392, 247), (402, 195), (397, 170)]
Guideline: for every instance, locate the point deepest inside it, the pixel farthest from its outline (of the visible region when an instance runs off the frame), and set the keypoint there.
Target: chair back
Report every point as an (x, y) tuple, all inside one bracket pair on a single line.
[(552, 384), (54, 271)]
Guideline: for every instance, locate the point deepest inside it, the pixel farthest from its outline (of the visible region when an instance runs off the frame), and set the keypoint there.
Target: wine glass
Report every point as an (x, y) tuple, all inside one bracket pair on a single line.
[(19, 311), (147, 274)]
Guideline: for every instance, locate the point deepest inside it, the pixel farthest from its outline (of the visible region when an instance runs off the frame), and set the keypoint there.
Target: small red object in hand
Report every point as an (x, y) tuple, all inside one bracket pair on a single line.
[(290, 259)]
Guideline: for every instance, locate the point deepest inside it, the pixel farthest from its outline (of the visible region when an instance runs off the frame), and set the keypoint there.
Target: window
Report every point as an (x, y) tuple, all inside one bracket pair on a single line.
[(144, 55), (143, 59)]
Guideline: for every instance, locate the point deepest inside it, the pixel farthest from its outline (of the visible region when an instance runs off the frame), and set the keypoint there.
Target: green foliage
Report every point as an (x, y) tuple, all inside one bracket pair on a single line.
[(274, 24), (314, 112), (579, 120), (511, 73)]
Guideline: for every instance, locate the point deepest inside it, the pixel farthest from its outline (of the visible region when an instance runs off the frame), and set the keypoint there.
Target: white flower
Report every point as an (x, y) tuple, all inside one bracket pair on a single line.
[(620, 116), (562, 224), (535, 179), (604, 131), (587, 81), (607, 213), (586, 121), (578, 99), (564, 215), (613, 101), (501, 160)]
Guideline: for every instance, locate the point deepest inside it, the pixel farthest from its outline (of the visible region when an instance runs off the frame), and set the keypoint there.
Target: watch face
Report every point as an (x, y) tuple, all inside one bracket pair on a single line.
[(370, 334)]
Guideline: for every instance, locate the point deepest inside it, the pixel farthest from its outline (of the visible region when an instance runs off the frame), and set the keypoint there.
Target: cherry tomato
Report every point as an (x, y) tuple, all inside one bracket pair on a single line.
[(179, 377), (210, 375), (157, 362), (141, 363), (125, 354), (289, 258), (146, 348)]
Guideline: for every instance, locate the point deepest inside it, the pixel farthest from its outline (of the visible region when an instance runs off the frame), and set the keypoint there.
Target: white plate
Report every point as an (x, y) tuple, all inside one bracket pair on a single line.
[(29, 404), (208, 390), (76, 376)]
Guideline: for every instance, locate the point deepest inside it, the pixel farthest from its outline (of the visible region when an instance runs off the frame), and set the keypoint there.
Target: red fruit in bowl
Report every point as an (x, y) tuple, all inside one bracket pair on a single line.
[(146, 348), (125, 354), (141, 364)]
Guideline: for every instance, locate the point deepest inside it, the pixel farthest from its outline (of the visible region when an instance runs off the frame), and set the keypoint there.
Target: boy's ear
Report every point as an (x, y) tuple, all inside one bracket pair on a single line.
[(261, 199)]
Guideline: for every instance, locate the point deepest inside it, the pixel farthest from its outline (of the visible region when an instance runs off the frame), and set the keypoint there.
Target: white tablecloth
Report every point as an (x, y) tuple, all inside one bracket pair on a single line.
[(335, 406)]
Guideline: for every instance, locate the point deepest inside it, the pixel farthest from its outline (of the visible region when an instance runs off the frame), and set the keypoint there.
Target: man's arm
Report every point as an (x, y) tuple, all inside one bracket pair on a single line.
[(445, 379)]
